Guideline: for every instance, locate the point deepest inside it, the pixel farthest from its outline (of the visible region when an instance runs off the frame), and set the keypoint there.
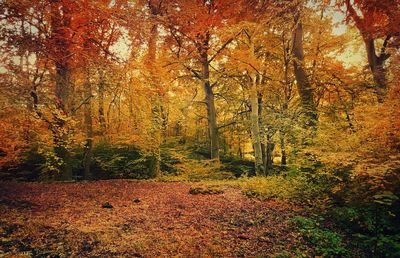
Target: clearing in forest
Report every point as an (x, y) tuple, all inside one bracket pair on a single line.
[(140, 219)]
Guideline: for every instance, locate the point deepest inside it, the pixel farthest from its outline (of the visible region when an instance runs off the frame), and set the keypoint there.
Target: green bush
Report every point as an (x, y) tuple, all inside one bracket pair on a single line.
[(325, 242), (30, 167), (42, 163), (107, 162), (381, 245), (198, 150), (374, 225), (120, 162), (168, 163), (237, 166)]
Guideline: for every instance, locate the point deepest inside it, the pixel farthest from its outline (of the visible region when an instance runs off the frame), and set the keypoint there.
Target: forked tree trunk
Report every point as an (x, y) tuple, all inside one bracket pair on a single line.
[(376, 62), (255, 126), (268, 160)]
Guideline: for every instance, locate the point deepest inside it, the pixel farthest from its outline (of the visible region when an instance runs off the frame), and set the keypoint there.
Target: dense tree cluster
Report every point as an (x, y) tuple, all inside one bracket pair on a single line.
[(261, 76), (305, 91)]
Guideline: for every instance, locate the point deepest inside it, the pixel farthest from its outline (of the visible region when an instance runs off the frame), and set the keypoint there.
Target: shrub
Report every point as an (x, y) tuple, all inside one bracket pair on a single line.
[(237, 166), (108, 162), (120, 162), (325, 242), (168, 163), (298, 189), (205, 190), (273, 187), (374, 225), (42, 163)]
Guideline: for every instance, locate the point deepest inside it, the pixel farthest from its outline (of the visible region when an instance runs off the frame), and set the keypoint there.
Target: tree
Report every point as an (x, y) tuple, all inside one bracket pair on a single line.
[(193, 25), (246, 63), (374, 20), (304, 86), (54, 35), (155, 9)]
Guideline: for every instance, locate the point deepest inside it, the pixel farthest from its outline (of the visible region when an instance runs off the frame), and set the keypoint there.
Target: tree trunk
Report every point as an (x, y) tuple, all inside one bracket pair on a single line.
[(287, 96), (154, 166), (164, 112), (101, 89), (61, 55), (270, 158), (88, 152), (156, 109), (376, 64), (155, 169), (210, 102), (255, 126), (303, 85), (61, 137), (268, 161), (260, 114), (283, 150)]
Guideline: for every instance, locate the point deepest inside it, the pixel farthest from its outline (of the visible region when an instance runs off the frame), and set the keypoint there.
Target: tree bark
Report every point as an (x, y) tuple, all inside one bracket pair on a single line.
[(210, 102), (155, 169), (156, 109), (268, 161), (287, 95), (61, 55), (164, 112), (376, 65), (88, 149), (101, 89), (283, 150), (61, 137), (255, 126), (303, 85)]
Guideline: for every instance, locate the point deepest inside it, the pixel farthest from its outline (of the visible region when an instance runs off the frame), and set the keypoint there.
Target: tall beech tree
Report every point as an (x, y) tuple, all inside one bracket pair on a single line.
[(155, 10), (304, 86), (246, 57), (193, 24), (80, 29), (60, 42), (96, 42)]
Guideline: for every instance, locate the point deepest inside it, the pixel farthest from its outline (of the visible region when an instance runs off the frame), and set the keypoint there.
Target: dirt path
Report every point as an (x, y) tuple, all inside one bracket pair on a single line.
[(148, 219)]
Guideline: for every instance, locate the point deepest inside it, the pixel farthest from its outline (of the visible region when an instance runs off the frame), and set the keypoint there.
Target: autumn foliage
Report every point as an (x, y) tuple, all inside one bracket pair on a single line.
[(288, 101)]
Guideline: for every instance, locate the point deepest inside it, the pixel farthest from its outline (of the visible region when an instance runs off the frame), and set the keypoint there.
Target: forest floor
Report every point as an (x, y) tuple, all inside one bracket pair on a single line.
[(147, 219)]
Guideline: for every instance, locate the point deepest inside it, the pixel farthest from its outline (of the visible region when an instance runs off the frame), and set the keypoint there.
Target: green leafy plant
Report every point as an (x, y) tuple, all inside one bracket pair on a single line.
[(325, 242)]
